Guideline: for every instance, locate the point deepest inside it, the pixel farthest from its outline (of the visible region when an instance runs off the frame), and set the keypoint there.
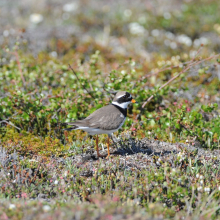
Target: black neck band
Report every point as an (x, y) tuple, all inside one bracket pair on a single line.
[(122, 110)]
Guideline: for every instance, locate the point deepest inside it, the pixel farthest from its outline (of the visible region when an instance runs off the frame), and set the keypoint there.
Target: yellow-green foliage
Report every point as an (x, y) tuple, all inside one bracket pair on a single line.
[(28, 144)]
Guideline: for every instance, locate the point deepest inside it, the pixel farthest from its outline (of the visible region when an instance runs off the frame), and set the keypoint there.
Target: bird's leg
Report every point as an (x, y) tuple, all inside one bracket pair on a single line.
[(97, 145), (108, 147)]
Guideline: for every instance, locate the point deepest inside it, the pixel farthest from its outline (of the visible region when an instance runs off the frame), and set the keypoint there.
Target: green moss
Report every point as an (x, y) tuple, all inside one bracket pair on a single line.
[(28, 144)]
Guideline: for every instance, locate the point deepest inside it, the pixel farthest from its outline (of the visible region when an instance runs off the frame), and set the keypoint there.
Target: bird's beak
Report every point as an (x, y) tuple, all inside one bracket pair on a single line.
[(133, 101)]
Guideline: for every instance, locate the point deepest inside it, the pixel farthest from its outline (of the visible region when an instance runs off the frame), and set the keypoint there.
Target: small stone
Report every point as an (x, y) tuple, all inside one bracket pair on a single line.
[(12, 206), (36, 18), (46, 208)]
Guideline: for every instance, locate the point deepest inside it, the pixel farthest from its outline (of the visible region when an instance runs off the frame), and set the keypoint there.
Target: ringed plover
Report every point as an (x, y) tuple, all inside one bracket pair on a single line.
[(105, 120)]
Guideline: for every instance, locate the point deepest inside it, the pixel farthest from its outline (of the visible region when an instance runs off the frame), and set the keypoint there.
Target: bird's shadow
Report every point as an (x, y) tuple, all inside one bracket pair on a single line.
[(128, 147), (132, 150), (131, 147)]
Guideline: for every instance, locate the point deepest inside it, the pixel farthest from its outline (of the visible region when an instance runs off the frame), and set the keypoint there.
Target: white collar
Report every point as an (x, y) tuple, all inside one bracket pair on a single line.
[(123, 105)]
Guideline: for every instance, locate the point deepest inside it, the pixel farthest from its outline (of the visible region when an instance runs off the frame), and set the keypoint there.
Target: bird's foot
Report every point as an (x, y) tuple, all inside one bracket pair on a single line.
[(99, 155), (109, 156)]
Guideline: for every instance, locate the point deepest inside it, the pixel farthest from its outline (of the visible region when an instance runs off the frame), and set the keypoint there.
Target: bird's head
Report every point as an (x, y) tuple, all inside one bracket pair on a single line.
[(123, 99)]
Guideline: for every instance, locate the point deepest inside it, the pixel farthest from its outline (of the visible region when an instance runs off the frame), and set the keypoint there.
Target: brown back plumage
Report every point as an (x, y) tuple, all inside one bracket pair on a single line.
[(107, 118)]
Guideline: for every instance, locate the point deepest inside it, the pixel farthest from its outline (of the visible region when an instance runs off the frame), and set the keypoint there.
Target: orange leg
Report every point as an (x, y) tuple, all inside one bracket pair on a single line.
[(97, 145), (108, 146)]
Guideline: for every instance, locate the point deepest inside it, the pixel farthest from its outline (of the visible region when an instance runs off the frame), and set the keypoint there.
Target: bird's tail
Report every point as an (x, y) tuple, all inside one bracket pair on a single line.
[(68, 129), (73, 127)]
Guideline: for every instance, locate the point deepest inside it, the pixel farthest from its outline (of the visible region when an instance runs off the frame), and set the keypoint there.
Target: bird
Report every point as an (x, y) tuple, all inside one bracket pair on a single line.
[(105, 120)]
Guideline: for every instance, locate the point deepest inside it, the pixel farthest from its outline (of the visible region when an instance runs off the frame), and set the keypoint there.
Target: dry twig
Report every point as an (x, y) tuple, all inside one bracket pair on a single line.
[(10, 123), (190, 65)]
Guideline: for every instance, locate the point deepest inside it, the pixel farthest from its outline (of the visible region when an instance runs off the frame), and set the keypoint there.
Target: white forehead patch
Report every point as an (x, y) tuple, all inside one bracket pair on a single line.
[(122, 105)]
